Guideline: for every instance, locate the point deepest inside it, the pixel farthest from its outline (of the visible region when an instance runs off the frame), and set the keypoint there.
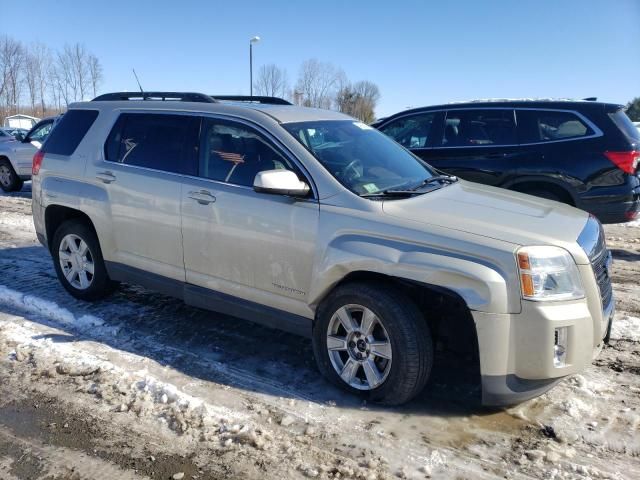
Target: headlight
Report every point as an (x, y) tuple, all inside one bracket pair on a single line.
[(548, 273)]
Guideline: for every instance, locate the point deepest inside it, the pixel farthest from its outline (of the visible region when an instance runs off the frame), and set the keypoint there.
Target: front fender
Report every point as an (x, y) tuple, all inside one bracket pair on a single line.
[(483, 286)]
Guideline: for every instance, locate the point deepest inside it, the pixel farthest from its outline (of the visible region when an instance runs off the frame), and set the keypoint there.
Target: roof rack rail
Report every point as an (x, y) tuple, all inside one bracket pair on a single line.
[(162, 96), (253, 99), (591, 99)]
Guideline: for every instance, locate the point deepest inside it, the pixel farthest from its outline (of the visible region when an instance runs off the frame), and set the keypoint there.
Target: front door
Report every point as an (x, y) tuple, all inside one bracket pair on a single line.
[(479, 145), (25, 150), (254, 246)]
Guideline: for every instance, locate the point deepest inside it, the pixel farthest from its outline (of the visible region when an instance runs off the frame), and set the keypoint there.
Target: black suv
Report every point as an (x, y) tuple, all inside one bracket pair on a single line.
[(583, 153)]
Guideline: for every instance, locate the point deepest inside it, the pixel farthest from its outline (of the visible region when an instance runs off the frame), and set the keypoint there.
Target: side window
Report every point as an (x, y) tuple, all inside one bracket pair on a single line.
[(548, 125), (154, 140), (234, 153), (69, 131), (412, 131), (472, 128), (41, 133)]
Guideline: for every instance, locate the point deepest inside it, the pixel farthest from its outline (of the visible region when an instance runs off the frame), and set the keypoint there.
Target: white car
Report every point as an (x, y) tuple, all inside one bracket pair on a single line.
[(16, 156)]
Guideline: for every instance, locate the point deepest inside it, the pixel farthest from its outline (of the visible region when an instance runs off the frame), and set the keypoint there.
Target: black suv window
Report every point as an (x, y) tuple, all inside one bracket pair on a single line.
[(411, 131), (233, 153), (549, 125), (69, 132), (152, 140), (465, 128)]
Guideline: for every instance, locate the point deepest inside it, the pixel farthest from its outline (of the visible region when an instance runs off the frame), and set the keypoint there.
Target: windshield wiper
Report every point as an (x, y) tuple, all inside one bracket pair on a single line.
[(412, 191), (390, 193), (437, 178)]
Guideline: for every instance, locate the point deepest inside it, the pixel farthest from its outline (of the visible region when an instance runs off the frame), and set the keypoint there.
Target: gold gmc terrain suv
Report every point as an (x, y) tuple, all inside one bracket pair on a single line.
[(310, 221)]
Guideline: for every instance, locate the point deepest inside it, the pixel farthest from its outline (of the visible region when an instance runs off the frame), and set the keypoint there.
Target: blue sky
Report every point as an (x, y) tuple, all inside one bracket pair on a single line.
[(418, 52)]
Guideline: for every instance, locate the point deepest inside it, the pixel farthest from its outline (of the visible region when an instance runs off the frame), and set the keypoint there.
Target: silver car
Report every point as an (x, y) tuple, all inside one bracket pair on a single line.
[(310, 221), (16, 155)]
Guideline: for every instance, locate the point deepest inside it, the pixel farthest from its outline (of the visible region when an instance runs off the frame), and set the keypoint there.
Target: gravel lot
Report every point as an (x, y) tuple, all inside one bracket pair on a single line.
[(142, 386)]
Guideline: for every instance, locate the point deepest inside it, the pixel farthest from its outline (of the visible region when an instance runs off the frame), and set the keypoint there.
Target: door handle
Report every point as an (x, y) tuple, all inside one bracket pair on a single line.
[(106, 177), (497, 155), (202, 197)]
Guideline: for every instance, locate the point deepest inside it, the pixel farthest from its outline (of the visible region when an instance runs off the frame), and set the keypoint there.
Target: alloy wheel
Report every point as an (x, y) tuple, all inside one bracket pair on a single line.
[(76, 261), (359, 347)]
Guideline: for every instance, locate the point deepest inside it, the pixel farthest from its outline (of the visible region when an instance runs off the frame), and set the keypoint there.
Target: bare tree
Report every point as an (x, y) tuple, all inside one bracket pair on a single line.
[(37, 81), (30, 74), (358, 100), (65, 76), (80, 67), (95, 72), (272, 81), (11, 64), (42, 55), (317, 82)]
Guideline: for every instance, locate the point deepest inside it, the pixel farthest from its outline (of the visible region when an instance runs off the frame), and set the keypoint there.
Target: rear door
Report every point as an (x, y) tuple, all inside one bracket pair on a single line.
[(145, 159), (479, 145)]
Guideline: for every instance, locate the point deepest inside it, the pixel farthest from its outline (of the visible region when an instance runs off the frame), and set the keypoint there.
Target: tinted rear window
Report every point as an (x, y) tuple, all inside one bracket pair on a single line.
[(625, 124), (159, 141), (69, 132), (537, 126)]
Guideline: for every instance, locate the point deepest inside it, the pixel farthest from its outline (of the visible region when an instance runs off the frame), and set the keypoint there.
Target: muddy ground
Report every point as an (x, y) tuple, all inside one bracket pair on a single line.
[(142, 386)]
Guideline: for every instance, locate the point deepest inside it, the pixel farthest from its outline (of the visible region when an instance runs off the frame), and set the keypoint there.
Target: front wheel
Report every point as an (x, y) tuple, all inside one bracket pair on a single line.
[(374, 342)]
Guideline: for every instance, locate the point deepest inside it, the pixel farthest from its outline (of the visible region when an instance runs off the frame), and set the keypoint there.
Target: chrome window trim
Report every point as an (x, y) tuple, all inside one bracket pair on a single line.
[(597, 132), (280, 147)]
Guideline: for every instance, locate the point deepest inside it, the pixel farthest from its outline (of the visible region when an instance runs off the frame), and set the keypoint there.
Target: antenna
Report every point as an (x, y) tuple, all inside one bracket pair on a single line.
[(139, 86)]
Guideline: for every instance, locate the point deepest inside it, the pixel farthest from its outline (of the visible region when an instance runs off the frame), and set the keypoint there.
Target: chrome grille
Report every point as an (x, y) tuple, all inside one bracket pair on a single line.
[(592, 241)]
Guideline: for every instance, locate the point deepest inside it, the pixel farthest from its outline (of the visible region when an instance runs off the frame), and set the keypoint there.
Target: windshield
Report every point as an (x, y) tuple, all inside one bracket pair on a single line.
[(359, 156)]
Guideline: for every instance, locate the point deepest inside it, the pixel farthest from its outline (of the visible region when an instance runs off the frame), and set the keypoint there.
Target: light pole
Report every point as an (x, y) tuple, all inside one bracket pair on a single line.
[(255, 39)]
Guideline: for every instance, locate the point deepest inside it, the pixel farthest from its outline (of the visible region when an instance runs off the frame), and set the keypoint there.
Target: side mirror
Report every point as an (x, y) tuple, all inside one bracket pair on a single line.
[(280, 182), (19, 136)]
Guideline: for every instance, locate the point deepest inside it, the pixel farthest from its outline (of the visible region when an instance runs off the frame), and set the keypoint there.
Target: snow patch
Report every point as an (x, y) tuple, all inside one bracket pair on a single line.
[(50, 310), (626, 328), (17, 222)]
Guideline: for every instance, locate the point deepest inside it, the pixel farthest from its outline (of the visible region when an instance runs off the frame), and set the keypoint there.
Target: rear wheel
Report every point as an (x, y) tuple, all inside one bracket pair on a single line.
[(78, 261), (373, 342), (9, 179)]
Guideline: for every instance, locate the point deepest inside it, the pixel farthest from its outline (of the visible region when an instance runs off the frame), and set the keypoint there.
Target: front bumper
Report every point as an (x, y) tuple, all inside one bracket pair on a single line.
[(517, 350)]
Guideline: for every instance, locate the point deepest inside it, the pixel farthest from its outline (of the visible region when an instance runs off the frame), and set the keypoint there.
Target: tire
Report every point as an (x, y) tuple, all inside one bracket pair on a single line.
[(398, 320), (95, 285), (9, 179)]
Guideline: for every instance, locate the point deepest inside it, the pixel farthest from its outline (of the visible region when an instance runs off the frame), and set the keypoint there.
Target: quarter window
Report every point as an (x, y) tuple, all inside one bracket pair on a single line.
[(474, 128), (159, 141), (68, 133), (235, 154), (412, 131), (548, 125)]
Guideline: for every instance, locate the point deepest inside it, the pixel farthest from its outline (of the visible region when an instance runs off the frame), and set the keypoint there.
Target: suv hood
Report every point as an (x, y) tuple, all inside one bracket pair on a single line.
[(495, 213)]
